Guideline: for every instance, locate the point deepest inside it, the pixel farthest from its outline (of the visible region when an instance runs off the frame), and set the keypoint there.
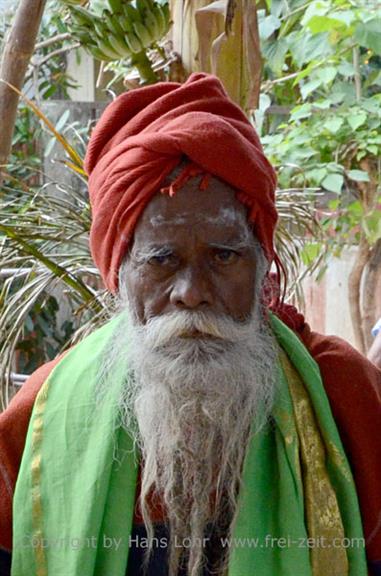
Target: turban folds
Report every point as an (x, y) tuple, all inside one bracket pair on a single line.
[(144, 134)]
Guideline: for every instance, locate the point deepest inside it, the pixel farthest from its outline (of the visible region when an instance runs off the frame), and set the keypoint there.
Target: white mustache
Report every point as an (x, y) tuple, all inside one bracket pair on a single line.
[(162, 330)]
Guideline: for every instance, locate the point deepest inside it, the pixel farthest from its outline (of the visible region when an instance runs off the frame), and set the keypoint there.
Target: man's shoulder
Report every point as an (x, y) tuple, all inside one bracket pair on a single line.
[(87, 349), (341, 364), (353, 387), (25, 397), (15, 418)]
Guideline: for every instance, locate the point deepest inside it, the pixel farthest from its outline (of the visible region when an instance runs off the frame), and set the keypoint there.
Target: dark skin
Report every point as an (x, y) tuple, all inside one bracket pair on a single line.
[(193, 251)]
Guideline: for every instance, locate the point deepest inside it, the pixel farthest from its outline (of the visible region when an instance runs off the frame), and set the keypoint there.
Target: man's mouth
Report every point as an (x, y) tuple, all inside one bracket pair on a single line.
[(197, 334), (193, 334)]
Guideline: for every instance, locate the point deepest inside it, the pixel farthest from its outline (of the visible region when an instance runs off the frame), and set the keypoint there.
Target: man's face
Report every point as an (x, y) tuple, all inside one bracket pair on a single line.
[(193, 251)]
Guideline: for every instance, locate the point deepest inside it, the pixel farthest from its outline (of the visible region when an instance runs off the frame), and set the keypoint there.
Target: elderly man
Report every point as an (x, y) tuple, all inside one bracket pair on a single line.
[(196, 432)]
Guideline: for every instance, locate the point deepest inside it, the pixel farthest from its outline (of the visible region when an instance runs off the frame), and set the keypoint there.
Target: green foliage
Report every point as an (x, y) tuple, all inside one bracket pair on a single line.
[(323, 61), (24, 155), (43, 336), (52, 79)]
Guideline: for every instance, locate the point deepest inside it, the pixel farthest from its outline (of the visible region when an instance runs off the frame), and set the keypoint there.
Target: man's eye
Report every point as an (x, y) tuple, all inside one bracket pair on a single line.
[(226, 256), (162, 260)]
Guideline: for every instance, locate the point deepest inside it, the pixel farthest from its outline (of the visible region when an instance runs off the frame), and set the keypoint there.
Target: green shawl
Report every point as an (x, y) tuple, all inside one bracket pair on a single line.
[(75, 494)]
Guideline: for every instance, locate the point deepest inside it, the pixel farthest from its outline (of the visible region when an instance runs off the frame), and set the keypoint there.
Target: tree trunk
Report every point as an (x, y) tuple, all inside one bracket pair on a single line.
[(354, 289), (369, 291), (17, 53), (368, 195)]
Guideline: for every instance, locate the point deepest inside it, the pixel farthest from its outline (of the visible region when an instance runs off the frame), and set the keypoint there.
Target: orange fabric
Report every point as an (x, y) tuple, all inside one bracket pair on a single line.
[(352, 384), (144, 134)]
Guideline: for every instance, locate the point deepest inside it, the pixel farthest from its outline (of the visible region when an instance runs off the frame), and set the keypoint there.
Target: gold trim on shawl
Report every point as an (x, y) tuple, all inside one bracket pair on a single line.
[(37, 432), (323, 518)]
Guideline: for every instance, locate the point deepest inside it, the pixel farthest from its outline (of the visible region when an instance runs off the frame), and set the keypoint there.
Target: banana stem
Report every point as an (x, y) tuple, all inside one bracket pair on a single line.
[(144, 67)]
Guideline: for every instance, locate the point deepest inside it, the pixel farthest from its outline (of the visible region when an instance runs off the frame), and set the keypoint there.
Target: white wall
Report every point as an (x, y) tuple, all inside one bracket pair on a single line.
[(81, 67), (327, 307)]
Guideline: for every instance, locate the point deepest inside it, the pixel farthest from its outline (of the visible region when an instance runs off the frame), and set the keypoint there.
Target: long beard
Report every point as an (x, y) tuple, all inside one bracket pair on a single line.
[(197, 386)]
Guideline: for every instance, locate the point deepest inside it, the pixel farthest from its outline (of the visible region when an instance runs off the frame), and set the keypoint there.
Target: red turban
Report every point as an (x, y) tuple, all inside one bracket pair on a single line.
[(144, 134)]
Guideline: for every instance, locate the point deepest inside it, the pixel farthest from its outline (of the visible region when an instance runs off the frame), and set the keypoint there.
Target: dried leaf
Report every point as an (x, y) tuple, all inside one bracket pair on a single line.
[(233, 56), (221, 37)]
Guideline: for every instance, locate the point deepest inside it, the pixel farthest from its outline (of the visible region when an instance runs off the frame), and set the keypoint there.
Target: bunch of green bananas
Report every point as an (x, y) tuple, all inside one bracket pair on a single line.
[(123, 28)]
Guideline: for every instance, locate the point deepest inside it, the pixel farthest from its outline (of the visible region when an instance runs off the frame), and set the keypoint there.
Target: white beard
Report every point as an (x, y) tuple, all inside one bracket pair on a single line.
[(191, 405)]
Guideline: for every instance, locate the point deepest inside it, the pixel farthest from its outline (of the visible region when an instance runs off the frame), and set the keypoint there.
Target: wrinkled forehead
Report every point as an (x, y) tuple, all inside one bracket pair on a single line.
[(215, 210)]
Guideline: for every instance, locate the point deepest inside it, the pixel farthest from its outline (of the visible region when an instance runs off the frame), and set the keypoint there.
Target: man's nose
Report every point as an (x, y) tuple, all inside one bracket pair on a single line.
[(191, 290)]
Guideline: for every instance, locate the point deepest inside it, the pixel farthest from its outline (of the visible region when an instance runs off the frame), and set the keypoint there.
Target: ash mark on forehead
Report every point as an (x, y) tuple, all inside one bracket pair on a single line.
[(160, 220), (226, 216)]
